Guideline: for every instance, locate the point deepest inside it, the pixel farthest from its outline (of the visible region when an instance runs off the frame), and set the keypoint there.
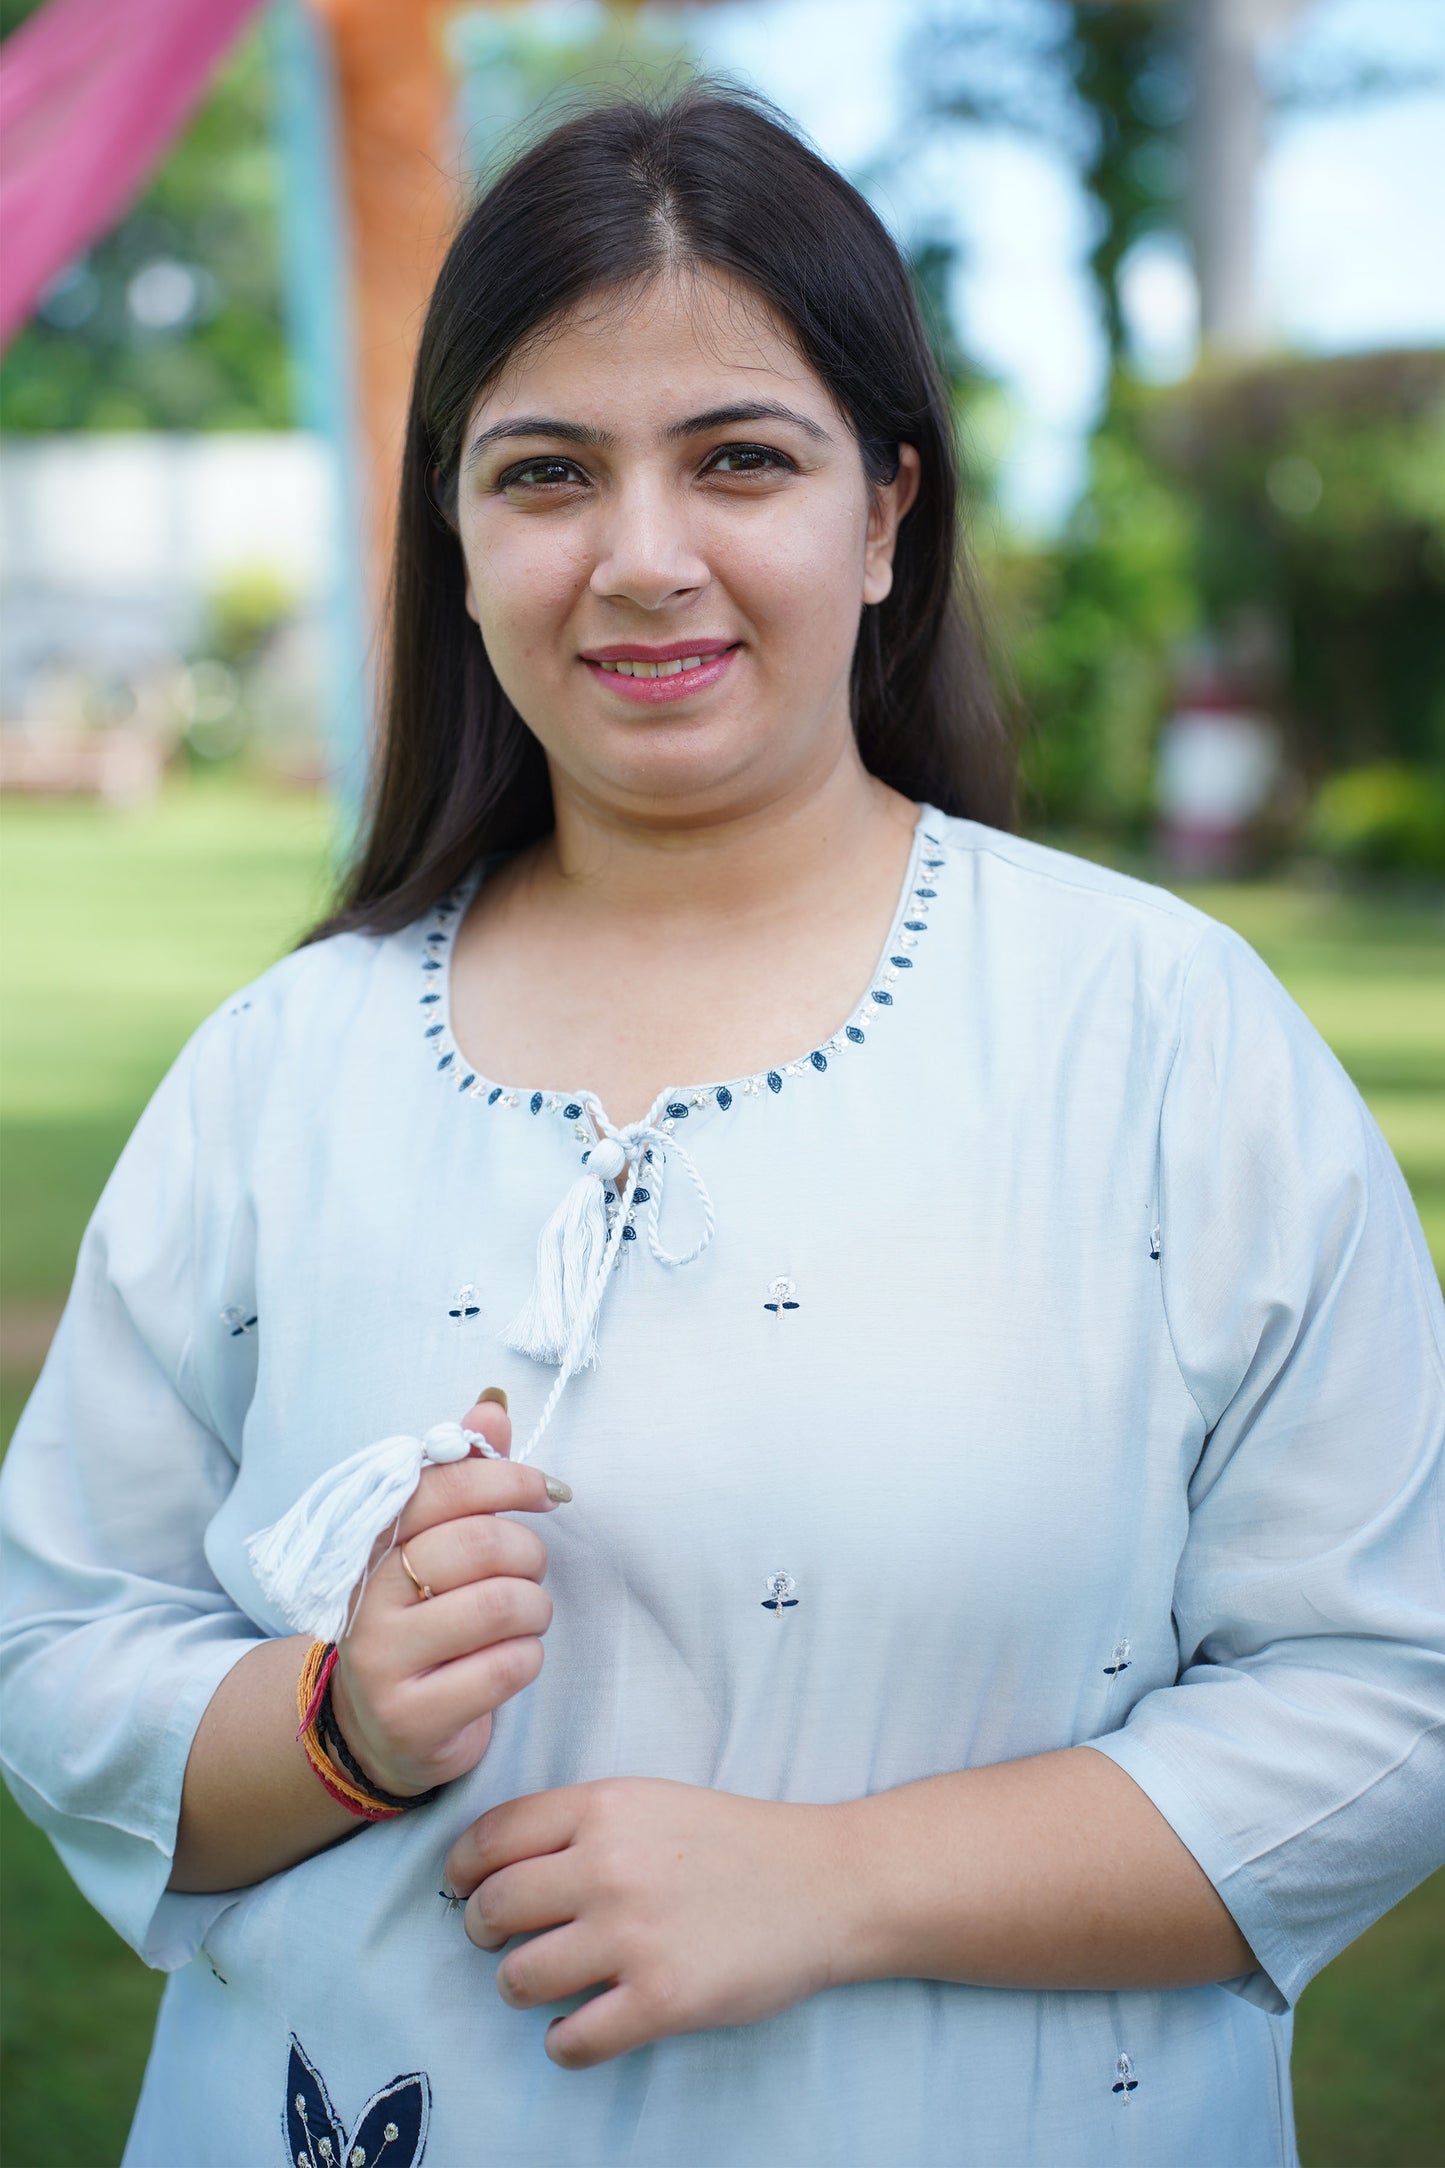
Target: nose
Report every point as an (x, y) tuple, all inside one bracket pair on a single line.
[(646, 552)]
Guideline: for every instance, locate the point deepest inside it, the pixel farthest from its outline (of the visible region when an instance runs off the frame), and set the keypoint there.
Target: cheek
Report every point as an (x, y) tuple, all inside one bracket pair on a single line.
[(525, 584), (801, 572)]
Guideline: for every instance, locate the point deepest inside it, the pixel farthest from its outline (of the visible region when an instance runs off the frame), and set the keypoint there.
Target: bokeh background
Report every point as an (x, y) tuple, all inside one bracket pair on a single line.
[(1184, 264)]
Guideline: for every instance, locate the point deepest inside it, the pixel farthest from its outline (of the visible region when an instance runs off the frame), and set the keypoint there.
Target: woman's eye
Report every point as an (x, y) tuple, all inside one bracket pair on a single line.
[(748, 459), (541, 474)]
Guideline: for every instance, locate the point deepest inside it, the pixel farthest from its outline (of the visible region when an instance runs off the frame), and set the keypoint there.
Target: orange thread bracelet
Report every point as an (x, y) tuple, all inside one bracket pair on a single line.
[(310, 1694)]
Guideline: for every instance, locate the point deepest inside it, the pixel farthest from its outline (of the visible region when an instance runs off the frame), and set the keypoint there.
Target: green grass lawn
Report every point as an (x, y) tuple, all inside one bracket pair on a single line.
[(122, 930)]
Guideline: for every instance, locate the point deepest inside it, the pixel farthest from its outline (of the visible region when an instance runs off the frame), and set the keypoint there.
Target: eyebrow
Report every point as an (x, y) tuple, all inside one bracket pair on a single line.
[(751, 410), (542, 425)]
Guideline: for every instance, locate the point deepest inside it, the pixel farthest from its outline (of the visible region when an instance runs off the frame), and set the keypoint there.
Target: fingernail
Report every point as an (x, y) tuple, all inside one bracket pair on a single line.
[(558, 1490), (493, 1392)]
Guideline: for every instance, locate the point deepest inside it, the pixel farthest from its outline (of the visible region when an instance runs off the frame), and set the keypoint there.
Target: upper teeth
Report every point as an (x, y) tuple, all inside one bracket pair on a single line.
[(654, 669)]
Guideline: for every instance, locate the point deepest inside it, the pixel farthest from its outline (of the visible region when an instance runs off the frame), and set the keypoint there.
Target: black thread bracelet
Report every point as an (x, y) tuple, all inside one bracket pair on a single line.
[(329, 1733)]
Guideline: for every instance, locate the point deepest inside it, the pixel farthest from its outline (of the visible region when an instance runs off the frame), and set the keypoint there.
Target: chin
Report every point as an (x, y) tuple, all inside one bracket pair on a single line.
[(675, 770)]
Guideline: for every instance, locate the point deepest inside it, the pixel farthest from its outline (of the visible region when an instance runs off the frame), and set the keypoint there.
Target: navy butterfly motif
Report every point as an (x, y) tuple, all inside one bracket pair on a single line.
[(390, 2131)]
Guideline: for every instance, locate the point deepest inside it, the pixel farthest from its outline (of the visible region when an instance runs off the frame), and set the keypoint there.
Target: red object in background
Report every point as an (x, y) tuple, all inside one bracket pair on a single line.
[(1218, 763), (91, 94)]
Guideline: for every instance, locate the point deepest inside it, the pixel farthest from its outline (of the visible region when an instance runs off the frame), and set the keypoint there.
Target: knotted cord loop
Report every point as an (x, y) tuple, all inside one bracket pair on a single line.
[(638, 1140)]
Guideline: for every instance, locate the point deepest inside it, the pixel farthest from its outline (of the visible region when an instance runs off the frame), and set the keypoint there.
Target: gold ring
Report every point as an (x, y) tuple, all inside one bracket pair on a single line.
[(420, 1586)]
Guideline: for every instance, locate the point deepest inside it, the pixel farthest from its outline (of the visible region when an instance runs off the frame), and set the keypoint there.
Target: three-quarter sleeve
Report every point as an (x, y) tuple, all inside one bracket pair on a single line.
[(1301, 1754), (114, 1632)]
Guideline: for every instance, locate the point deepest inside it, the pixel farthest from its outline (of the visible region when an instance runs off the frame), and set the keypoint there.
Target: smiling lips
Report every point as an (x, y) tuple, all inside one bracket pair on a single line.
[(652, 674)]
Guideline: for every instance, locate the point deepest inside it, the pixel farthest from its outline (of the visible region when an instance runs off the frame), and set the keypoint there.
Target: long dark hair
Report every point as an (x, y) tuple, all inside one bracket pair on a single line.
[(711, 176)]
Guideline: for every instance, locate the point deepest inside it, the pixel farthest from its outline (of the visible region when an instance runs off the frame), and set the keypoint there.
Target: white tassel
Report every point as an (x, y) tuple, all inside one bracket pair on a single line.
[(314, 1561), (571, 1251)]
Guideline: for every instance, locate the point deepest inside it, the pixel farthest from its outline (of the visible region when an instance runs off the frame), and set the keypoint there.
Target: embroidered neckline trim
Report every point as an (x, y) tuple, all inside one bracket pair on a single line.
[(583, 1110)]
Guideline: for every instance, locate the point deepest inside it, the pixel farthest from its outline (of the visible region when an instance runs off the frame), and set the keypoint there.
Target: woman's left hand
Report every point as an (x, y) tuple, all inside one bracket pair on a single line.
[(700, 1908)]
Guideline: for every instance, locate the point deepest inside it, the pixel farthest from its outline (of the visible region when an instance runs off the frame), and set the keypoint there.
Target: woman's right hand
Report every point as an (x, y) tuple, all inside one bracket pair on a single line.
[(417, 1679)]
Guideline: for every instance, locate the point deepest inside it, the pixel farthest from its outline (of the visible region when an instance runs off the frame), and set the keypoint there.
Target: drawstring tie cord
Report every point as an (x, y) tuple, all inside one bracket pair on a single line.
[(578, 1250), (314, 1562)]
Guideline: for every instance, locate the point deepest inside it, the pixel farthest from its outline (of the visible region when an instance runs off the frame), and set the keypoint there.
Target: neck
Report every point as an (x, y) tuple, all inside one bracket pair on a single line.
[(748, 861)]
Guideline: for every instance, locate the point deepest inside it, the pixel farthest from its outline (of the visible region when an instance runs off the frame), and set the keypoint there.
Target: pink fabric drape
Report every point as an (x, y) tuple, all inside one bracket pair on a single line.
[(91, 93)]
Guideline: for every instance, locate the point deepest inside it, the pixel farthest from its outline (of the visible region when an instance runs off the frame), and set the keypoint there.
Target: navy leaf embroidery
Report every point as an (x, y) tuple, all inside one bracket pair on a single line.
[(884, 999), (494, 1095), (434, 1031), (629, 1232), (390, 2131), (312, 2130), (916, 925), (446, 1061), (724, 1097), (467, 1081), (642, 1196), (677, 1112), (535, 1102), (904, 963), (925, 891), (572, 1111), (775, 1082), (819, 1061), (428, 999), (852, 1032)]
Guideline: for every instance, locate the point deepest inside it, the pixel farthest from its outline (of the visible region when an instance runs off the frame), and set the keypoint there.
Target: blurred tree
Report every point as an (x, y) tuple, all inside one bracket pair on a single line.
[(174, 320), (1295, 513), (1105, 83), (1160, 105), (1300, 506), (1318, 490), (976, 398), (1087, 630)]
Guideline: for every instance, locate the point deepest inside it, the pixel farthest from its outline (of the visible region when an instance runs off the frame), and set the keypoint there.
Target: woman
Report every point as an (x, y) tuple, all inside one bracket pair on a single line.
[(992, 1607)]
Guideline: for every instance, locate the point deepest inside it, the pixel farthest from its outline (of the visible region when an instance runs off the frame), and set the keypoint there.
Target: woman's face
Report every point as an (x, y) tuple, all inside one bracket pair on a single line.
[(669, 538)]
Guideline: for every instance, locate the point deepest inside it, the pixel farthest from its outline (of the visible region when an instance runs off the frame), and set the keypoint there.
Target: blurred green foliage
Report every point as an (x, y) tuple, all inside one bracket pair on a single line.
[(244, 609), (1386, 818), (1087, 631), (1293, 513), (1107, 86), (1290, 516), (1318, 496), (206, 350)]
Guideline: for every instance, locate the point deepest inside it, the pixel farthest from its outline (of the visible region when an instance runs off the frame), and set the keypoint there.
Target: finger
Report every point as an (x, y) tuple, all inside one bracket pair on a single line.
[(522, 1899), (609, 2025), (564, 1962), (472, 1548), (467, 1619), (453, 1696), (488, 1414), (476, 1485), (516, 1829)]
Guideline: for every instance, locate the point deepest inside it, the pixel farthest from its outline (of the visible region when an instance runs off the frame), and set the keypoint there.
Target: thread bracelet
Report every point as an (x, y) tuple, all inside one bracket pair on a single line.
[(336, 1768)]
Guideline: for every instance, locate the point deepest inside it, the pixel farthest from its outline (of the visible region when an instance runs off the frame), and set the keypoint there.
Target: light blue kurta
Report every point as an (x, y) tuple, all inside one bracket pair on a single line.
[(1108, 1409)]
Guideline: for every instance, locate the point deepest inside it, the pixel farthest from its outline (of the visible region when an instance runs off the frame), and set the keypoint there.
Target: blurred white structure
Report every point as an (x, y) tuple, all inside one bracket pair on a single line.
[(1218, 766), (110, 545)]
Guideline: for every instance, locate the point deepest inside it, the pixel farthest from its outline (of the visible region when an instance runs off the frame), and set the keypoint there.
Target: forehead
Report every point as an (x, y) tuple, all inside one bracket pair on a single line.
[(683, 341)]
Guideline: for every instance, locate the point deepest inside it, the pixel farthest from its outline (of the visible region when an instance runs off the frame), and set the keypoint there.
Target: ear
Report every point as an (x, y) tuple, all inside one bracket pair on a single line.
[(889, 505)]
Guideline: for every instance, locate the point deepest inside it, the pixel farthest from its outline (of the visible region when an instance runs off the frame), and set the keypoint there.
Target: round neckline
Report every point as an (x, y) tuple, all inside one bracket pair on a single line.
[(582, 1109)]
